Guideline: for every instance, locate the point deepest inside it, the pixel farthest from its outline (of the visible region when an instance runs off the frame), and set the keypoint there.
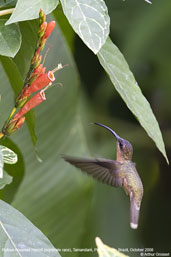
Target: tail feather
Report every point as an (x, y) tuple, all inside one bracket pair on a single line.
[(134, 212)]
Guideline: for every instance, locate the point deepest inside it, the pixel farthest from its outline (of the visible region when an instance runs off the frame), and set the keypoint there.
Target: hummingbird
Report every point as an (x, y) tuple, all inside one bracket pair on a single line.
[(117, 173)]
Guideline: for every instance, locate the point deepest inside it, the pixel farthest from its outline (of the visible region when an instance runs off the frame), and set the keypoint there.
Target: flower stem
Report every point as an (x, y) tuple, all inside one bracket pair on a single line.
[(9, 118), (1, 135), (12, 113)]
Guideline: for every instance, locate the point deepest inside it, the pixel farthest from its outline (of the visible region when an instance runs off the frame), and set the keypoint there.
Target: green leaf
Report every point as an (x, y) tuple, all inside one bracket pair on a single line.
[(7, 179), (31, 123), (8, 155), (89, 19), (10, 39), (65, 27), (20, 237), (13, 74), (29, 36), (29, 10), (53, 193), (122, 78), (106, 251)]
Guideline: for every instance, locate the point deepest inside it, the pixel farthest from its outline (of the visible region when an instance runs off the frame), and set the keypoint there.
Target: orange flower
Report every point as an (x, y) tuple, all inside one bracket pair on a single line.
[(33, 102), (42, 81)]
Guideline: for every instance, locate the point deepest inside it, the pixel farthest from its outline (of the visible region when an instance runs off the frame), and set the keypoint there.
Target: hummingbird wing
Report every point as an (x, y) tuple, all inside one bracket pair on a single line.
[(104, 170)]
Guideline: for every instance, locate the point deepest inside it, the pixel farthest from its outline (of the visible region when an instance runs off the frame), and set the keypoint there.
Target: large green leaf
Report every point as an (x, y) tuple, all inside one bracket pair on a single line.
[(65, 27), (19, 237), (29, 36), (13, 74), (52, 193), (122, 78), (29, 10), (7, 179), (89, 19), (10, 39)]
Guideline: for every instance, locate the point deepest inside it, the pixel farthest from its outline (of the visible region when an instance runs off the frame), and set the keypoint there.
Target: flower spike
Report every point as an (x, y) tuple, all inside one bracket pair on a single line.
[(37, 79)]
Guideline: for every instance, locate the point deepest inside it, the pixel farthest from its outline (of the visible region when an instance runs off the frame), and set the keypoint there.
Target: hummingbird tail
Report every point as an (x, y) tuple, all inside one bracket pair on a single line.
[(134, 212)]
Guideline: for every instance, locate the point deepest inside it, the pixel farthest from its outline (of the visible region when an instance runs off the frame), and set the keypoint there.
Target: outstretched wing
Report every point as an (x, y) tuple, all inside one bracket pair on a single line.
[(104, 170)]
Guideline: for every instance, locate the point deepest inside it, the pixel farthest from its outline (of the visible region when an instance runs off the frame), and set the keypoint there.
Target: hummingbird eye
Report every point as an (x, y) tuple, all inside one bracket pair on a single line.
[(121, 145)]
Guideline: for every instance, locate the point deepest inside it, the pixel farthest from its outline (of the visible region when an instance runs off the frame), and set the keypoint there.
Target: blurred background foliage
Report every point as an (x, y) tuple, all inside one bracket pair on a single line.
[(68, 207)]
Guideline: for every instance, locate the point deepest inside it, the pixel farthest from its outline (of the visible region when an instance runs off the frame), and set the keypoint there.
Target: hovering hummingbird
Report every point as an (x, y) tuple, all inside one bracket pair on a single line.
[(118, 173)]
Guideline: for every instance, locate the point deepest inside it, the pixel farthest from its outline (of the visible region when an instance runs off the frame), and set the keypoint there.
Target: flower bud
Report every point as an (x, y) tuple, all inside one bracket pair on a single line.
[(32, 78), (22, 97), (37, 62), (42, 29), (38, 51), (42, 43), (49, 29), (39, 70), (13, 126), (35, 57), (33, 102), (19, 122), (42, 16), (20, 102)]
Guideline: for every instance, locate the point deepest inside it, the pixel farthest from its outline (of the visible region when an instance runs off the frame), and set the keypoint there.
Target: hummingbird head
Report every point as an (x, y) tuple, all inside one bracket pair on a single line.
[(124, 148)]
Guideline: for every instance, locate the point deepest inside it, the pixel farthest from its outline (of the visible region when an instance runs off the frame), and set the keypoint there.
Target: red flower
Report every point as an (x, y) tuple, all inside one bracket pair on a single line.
[(49, 29), (39, 83), (33, 102)]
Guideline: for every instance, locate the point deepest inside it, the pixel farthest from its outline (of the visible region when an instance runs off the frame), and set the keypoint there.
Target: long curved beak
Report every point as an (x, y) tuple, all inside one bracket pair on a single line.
[(113, 132)]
